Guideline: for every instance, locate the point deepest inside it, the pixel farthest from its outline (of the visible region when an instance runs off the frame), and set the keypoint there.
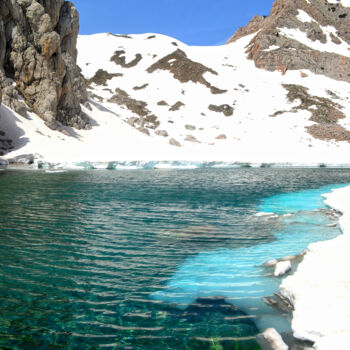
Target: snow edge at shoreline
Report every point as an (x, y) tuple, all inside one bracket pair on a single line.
[(320, 287)]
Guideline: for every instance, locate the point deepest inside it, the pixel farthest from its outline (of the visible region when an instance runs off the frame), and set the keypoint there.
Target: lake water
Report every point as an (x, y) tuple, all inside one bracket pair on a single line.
[(151, 259)]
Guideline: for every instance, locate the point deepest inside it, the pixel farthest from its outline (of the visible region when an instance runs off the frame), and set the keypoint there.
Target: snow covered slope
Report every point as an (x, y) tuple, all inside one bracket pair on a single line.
[(153, 98)]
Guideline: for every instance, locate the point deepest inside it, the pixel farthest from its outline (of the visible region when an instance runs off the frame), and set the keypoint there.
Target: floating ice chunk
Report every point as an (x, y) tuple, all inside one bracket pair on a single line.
[(261, 213), (282, 268), (55, 171), (100, 165), (167, 166)]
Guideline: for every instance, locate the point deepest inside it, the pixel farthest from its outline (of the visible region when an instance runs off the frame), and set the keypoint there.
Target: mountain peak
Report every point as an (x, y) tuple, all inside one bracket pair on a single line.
[(302, 34)]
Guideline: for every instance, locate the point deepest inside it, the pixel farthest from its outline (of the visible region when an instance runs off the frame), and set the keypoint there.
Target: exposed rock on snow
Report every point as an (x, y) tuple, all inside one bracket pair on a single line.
[(173, 142), (309, 35), (252, 27), (119, 59), (324, 112), (176, 106), (182, 68), (38, 51), (101, 77), (225, 109), (271, 340)]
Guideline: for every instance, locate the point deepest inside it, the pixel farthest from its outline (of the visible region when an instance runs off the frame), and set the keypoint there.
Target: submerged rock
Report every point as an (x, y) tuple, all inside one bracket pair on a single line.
[(271, 340), (271, 263)]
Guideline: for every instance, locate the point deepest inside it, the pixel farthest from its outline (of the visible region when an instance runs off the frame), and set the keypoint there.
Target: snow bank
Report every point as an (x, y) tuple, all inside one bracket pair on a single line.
[(263, 129), (320, 288)]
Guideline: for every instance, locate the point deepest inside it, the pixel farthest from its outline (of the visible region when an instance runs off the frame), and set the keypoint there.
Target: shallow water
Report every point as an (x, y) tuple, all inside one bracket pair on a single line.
[(127, 260)]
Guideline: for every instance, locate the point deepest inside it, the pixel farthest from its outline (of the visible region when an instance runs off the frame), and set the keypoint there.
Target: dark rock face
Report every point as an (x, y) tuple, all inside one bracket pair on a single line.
[(38, 53), (290, 54)]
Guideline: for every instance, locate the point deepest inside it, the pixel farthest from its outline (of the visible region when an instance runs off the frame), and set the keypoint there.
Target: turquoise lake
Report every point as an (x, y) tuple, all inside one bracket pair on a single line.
[(152, 259)]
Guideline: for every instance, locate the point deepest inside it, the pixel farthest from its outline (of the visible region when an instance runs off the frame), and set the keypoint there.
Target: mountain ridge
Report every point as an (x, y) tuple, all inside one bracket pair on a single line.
[(315, 21), (153, 98)]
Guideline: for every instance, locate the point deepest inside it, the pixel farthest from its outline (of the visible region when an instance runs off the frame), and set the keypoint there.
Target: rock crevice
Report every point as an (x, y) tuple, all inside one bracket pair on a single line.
[(38, 59)]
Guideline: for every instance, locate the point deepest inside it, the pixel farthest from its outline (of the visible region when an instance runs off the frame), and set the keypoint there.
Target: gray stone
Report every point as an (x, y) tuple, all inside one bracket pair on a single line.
[(22, 159), (38, 51), (162, 133), (173, 142), (191, 138), (271, 340)]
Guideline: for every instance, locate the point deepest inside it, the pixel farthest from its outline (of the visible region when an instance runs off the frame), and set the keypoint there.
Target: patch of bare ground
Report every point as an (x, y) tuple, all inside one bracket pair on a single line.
[(176, 106), (140, 87), (328, 132), (324, 112), (185, 70), (191, 138), (145, 120), (227, 110), (162, 103), (96, 97), (162, 133), (173, 142), (121, 36), (120, 59), (101, 77), (216, 91)]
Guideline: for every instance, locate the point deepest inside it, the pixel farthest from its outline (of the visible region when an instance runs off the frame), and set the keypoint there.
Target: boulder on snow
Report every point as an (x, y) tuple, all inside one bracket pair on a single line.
[(173, 142), (271, 340)]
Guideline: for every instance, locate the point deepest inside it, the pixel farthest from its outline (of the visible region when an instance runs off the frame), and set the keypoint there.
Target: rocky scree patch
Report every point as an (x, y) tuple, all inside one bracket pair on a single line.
[(325, 113), (146, 119), (185, 70), (119, 59)]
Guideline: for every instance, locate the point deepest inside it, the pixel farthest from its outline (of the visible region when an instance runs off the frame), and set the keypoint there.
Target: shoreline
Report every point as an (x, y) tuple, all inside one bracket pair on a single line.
[(319, 289), (31, 162)]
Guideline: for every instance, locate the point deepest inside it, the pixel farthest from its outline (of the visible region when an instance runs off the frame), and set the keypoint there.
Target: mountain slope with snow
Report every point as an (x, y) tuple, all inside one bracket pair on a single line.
[(153, 98)]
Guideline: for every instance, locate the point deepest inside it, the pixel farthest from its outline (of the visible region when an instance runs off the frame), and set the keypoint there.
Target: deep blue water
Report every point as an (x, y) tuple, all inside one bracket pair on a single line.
[(133, 259)]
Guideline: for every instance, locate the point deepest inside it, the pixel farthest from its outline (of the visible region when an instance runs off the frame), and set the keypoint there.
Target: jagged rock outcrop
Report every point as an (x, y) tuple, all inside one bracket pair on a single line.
[(318, 22), (252, 27), (38, 60)]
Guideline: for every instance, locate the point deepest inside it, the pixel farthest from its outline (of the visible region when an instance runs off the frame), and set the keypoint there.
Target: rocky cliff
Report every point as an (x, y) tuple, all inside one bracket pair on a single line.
[(300, 34), (38, 61)]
